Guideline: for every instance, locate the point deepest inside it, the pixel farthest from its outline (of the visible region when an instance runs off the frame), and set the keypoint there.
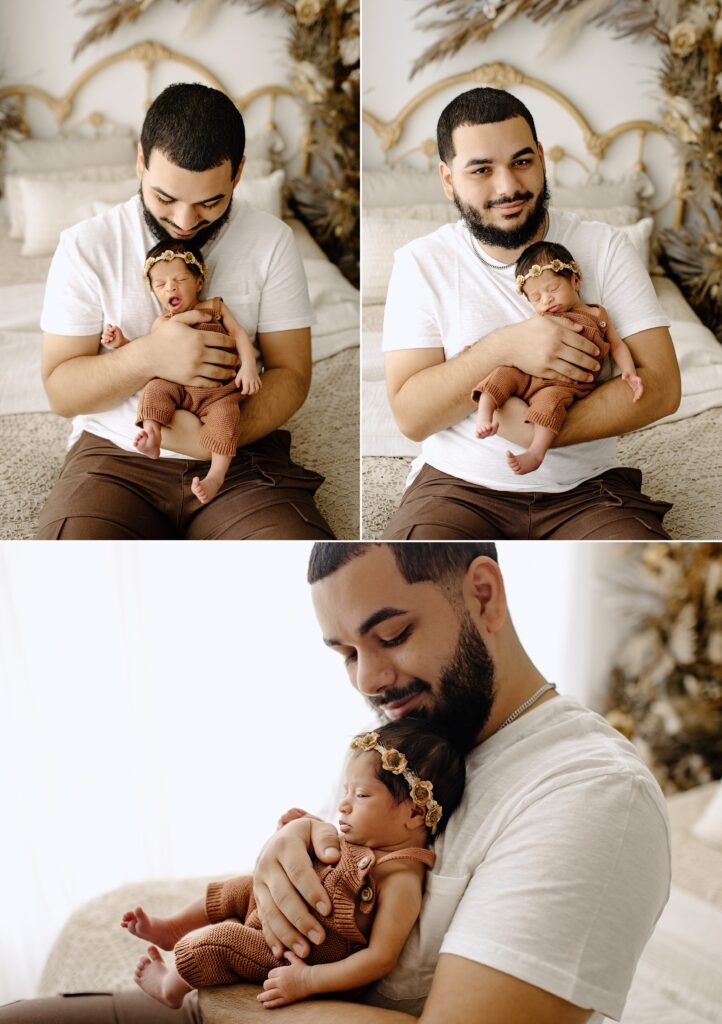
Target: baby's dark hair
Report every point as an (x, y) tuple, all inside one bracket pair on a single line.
[(541, 253), (179, 246), (431, 756)]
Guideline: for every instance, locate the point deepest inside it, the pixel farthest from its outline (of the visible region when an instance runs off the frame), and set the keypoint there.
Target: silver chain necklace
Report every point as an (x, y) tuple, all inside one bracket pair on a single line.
[(503, 266), (527, 704)]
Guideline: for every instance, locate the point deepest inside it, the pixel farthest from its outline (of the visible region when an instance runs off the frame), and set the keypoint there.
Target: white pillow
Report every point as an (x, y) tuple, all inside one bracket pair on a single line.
[(380, 238), (263, 193), (402, 187), (51, 206), (112, 172), (30, 156), (640, 235), (614, 215), (597, 195), (708, 826)]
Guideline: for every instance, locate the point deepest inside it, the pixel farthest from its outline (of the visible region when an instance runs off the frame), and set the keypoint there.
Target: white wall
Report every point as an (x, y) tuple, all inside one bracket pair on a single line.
[(37, 38), (608, 79)]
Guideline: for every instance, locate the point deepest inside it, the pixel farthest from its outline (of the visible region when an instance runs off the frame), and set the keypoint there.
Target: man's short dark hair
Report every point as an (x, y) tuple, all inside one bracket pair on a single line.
[(417, 561), (195, 127), (477, 106)]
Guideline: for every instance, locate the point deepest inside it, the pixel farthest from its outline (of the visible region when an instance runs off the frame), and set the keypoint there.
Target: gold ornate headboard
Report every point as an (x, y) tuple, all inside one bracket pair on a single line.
[(149, 55), (502, 76)]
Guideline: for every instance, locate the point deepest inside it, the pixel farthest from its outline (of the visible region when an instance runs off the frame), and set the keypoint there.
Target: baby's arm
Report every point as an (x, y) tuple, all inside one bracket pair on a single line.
[(247, 378), (621, 355), (398, 906)]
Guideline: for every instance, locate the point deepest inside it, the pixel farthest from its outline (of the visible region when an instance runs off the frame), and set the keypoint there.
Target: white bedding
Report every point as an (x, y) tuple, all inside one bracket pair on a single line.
[(679, 977), (335, 301)]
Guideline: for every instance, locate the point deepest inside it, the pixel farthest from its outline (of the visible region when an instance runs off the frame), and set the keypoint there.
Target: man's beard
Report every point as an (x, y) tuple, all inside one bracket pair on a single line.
[(466, 691), (201, 238), (506, 238)]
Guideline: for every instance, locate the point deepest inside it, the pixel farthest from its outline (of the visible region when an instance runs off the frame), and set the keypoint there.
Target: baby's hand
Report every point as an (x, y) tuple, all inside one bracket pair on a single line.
[(635, 384), (113, 337), (247, 379), (286, 984)]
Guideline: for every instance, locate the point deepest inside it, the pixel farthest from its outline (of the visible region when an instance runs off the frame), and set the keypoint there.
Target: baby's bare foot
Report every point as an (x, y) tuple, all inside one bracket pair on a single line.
[(526, 462), (486, 429), (147, 441), (206, 489), (153, 929), (160, 982)]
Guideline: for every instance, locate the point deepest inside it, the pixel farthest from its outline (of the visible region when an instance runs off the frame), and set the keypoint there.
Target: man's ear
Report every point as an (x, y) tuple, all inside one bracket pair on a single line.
[(139, 162), (484, 594), (239, 172), (541, 156), (446, 184)]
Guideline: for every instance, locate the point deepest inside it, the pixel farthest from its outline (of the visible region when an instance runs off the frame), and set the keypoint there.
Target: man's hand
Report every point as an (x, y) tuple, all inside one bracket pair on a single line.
[(285, 884), (191, 357), (286, 984), (550, 347)]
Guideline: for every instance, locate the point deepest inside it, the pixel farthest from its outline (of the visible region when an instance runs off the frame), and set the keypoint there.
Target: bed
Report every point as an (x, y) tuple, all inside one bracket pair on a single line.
[(678, 979), (680, 456), (86, 164)]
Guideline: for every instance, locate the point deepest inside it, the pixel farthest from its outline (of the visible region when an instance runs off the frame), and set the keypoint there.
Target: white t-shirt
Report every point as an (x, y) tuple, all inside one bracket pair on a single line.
[(442, 296), (96, 277), (554, 869)]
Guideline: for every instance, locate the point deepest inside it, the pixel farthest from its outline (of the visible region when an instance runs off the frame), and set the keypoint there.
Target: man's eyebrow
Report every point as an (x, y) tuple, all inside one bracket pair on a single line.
[(478, 161), (198, 202), (368, 624)]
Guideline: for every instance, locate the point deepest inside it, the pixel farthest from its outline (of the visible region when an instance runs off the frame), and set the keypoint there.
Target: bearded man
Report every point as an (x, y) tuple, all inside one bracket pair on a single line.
[(190, 158), (552, 872), (452, 315)]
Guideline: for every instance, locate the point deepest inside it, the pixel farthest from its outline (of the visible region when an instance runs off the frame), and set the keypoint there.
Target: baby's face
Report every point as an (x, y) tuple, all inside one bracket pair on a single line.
[(368, 813), (552, 293), (175, 285)]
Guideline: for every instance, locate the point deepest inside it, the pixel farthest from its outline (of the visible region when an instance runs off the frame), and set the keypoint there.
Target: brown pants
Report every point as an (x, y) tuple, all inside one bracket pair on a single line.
[(216, 408), (99, 1008), (106, 493), (548, 400), (610, 506)]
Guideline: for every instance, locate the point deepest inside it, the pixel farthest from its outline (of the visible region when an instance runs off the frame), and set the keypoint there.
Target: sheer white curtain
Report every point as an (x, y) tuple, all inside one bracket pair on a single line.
[(161, 704)]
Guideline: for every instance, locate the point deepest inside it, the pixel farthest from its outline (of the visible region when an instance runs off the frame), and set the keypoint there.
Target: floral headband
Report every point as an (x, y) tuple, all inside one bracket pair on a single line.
[(169, 255), (536, 271), (392, 760)]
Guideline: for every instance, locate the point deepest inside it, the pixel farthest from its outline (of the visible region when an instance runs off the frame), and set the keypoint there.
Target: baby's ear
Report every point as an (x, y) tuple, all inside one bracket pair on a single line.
[(417, 818)]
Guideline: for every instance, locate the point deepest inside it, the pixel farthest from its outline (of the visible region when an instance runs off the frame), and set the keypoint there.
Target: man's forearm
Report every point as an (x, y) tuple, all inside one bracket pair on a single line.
[(439, 396), (230, 1004), (609, 410), (92, 383)]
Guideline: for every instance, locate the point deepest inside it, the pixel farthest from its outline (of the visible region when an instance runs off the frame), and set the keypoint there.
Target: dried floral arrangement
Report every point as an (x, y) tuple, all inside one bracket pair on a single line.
[(690, 33), (666, 685), (324, 48), (12, 124)]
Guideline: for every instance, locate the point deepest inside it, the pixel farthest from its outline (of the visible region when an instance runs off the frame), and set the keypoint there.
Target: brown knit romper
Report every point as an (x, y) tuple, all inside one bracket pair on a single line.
[(234, 948), (548, 400), (216, 408)]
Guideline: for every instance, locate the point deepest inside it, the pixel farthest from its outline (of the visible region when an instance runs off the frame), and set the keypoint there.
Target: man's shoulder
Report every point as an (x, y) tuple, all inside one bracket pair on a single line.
[(248, 223), (105, 229), (579, 234), (433, 245)]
